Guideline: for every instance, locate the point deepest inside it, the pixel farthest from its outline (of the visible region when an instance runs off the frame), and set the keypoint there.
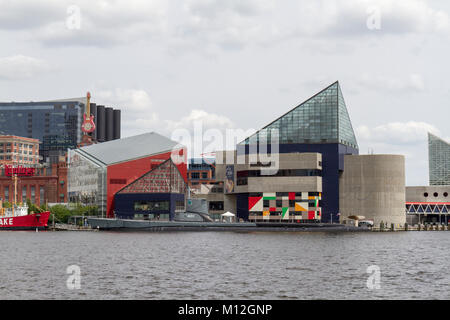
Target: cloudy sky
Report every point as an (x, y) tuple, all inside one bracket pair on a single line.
[(239, 63)]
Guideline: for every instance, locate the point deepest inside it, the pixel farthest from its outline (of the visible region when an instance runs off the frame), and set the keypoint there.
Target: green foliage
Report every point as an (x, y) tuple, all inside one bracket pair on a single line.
[(62, 213), (44, 207), (7, 204), (80, 210), (32, 207)]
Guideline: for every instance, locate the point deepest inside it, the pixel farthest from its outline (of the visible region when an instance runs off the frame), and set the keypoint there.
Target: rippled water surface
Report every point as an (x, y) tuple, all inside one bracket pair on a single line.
[(414, 265)]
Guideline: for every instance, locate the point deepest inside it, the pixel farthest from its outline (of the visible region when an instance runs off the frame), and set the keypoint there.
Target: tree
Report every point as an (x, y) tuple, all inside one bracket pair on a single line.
[(32, 207), (61, 213), (7, 204)]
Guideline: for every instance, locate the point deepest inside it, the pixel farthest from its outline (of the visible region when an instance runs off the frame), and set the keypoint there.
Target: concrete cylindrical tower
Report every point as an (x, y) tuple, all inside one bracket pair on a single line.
[(373, 186)]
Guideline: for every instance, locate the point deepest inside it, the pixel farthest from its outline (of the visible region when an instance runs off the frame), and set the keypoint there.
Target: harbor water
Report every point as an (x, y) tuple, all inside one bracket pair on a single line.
[(224, 265)]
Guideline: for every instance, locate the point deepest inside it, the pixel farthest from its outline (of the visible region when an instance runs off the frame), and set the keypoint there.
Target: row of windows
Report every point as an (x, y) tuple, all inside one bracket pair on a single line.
[(196, 175), (21, 145), (216, 205), (242, 176), (9, 151), (16, 158), (152, 206), (32, 190), (286, 194), (426, 195), (281, 173)]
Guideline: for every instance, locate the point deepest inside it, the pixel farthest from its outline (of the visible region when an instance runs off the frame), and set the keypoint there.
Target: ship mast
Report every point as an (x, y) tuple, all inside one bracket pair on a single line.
[(14, 177)]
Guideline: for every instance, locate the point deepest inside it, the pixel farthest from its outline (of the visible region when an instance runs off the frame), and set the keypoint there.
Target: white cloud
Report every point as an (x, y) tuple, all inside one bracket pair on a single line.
[(405, 138), (349, 18), (412, 82), (105, 23), (397, 133), (215, 24), (206, 119), (20, 67), (29, 14), (102, 23), (139, 115)]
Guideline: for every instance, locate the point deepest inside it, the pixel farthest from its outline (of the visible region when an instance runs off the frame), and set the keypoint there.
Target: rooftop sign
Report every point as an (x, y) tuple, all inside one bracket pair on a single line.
[(19, 171)]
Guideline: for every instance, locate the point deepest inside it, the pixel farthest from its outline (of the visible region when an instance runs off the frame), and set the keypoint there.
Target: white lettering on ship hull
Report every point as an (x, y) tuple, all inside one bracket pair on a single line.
[(6, 221)]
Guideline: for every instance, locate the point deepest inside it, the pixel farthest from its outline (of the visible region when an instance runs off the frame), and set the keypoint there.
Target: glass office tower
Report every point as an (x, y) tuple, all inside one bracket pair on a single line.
[(439, 161), (56, 125)]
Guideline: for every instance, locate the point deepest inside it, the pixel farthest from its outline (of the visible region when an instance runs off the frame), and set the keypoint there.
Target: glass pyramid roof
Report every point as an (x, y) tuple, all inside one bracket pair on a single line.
[(321, 119), (439, 161), (165, 178)]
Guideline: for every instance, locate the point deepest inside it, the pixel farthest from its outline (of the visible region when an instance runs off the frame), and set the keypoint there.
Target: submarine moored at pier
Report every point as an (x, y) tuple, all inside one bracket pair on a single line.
[(192, 224)]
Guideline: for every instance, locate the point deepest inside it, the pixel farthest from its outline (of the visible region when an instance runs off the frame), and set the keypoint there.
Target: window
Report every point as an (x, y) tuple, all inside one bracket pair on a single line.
[(33, 194), (446, 194), (216, 205), (116, 181), (282, 173), (279, 203), (41, 195), (436, 194), (425, 194), (24, 194), (6, 193), (195, 175), (179, 206), (204, 175), (242, 181), (152, 206)]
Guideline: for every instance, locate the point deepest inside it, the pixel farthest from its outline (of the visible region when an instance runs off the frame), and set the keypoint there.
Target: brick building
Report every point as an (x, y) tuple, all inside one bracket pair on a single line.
[(201, 172), (19, 151), (39, 184)]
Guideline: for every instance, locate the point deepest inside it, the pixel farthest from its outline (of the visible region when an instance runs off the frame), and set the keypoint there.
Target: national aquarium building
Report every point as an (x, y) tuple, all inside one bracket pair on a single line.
[(313, 139)]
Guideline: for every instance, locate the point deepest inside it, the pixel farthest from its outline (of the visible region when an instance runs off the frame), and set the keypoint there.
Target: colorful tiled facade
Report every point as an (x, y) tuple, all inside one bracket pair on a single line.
[(287, 206)]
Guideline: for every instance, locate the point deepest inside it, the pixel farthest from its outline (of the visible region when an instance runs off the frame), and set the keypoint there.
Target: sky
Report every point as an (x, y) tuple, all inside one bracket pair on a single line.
[(239, 64)]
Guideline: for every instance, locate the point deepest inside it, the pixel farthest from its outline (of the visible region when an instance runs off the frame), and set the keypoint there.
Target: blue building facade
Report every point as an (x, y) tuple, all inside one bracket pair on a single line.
[(157, 195)]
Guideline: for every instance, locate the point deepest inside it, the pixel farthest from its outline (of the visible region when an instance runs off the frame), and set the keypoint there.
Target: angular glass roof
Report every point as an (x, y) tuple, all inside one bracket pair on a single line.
[(321, 119), (165, 178), (439, 161)]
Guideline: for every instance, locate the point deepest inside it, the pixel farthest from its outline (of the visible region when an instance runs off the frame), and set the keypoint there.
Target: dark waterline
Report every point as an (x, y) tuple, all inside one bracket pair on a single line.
[(414, 265)]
